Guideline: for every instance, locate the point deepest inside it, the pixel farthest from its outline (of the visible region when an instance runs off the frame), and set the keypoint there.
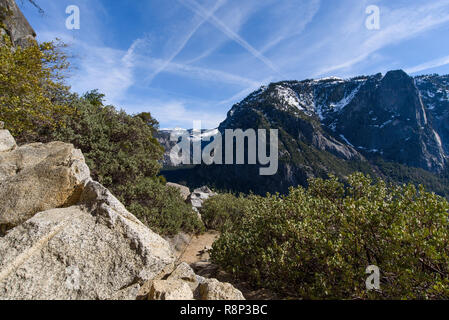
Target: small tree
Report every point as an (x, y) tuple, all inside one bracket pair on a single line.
[(32, 87)]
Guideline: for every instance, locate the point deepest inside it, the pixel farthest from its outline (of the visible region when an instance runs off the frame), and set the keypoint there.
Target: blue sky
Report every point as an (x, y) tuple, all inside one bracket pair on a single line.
[(186, 60)]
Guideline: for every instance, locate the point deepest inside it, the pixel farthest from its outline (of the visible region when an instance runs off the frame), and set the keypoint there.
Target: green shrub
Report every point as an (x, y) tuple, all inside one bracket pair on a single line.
[(31, 83), (317, 243), (123, 155), (161, 207), (221, 210), (119, 148)]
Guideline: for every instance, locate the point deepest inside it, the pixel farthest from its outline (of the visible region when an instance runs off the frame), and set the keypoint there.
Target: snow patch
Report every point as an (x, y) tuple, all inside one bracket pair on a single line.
[(345, 101), (288, 97), (205, 135), (385, 123), (438, 138), (346, 140), (334, 79)]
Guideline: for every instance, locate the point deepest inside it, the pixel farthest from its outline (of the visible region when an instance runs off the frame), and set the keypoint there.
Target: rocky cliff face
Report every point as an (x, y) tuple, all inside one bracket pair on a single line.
[(434, 92), (337, 126), (387, 116), (65, 236), (391, 115), (16, 25)]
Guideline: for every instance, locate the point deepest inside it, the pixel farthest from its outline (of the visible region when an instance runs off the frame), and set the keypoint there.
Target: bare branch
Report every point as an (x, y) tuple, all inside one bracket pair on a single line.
[(33, 2)]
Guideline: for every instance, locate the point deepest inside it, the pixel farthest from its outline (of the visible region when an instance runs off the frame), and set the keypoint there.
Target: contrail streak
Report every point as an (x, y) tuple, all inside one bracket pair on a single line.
[(195, 7), (186, 39)]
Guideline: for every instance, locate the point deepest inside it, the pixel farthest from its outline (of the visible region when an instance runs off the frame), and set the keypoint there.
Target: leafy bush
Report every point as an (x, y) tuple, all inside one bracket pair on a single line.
[(317, 243), (31, 83), (119, 148), (221, 210), (161, 207), (123, 155)]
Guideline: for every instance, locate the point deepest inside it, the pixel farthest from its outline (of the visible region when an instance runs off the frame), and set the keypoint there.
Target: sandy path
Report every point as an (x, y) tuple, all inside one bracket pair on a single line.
[(194, 252)]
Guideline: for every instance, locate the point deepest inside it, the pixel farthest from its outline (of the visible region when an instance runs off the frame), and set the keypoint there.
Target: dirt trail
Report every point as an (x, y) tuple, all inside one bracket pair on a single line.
[(195, 251), (196, 256)]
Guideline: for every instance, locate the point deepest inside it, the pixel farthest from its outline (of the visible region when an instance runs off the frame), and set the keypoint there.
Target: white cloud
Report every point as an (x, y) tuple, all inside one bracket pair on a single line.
[(396, 25), (290, 19), (198, 9), (208, 74), (178, 114), (106, 69), (429, 65), (186, 39), (113, 71)]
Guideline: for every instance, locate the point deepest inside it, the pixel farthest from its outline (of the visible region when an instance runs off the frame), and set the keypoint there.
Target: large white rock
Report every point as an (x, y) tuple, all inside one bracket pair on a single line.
[(7, 142), (170, 290), (94, 250), (212, 289), (199, 195), (185, 273), (183, 190), (38, 177)]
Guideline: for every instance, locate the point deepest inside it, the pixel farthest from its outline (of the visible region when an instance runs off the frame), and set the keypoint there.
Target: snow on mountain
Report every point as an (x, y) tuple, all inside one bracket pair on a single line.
[(393, 115), (345, 101), (287, 97)]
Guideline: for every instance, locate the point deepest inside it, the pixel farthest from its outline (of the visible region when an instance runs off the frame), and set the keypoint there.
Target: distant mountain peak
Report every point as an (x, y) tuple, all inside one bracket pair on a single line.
[(380, 114), (334, 125), (397, 74)]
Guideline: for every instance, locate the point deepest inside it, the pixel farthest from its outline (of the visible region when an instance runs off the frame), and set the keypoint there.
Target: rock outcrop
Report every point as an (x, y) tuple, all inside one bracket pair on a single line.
[(16, 25), (183, 190), (7, 142), (38, 177), (198, 196), (66, 237), (93, 250), (72, 239), (184, 284), (170, 290), (185, 273), (212, 289)]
